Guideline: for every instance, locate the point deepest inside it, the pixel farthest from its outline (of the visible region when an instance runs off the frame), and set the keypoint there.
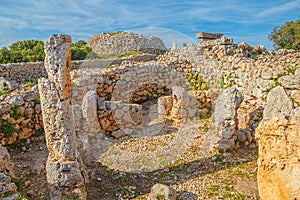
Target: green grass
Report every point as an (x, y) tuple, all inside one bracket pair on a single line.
[(29, 84), (131, 53), (110, 66), (16, 114), (36, 101), (276, 80), (8, 129), (160, 197), (205, 128), (205, 116), (39, 132), (71, 197), (17, 182), (225, 82), (3, 92), (290, 70), (108, 97)]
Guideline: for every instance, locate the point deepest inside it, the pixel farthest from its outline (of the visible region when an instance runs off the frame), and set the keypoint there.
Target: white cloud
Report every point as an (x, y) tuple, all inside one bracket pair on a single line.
[(280, 8), (81, 19)]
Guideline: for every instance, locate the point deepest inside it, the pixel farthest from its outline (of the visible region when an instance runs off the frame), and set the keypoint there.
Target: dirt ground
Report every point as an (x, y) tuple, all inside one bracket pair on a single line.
[(194, 175)]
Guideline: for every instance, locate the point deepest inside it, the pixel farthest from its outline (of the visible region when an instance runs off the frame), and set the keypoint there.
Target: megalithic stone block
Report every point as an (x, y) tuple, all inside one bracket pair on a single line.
[(58, 63), (64, 165)]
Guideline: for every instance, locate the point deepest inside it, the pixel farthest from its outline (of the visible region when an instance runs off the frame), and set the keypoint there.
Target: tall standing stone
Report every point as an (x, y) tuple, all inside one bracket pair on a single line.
[(64, 165), (223, 131)]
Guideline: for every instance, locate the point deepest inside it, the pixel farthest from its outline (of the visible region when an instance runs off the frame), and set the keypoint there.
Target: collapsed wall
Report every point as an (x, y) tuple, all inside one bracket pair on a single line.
[(213, 66)]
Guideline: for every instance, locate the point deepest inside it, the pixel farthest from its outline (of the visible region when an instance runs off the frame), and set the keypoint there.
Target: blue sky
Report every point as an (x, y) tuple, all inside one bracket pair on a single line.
[(172, 20)]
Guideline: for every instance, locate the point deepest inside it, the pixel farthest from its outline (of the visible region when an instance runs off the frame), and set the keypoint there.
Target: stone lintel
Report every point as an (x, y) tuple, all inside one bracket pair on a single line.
[(208, 36)]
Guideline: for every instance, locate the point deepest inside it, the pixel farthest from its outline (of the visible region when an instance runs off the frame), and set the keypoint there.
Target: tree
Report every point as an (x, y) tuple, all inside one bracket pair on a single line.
[(286, 36), (33, 51), (23, 51), (80, 51)]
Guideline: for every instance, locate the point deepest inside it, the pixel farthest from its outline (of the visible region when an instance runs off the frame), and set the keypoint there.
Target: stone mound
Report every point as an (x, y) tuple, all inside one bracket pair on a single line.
[(122, 42)]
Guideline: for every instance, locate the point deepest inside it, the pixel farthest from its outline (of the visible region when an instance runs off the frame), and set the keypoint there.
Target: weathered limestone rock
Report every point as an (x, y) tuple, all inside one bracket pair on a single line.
[(6, 186), (5, 164), (278, 103), (58, 63), (8, 84), (278, 135), (64, 167), (185, 107), (290, 82), (225, 117), (115, 115), (165, 104), (89, 112), (160, 191)]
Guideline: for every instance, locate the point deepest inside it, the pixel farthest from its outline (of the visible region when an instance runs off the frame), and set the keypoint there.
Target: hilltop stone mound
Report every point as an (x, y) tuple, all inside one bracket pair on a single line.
[(122, 42)]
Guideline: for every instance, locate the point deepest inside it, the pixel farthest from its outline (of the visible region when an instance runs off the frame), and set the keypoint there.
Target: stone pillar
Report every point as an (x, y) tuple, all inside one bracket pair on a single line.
[(64, 166), (165, 104), (225, 123)]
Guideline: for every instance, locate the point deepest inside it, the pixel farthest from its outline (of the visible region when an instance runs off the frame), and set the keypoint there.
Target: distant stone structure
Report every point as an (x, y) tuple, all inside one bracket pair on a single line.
[(122, 42), (204, 36)]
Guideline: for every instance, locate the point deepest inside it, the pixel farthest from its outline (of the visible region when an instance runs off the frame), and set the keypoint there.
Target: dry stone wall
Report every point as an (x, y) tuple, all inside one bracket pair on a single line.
[(220, 64), (21, 115), (32, 71), (21, 107)]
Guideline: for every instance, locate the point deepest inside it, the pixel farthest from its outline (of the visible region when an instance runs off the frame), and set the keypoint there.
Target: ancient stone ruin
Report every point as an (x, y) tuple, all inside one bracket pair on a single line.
[(225, 96), (64, 165)]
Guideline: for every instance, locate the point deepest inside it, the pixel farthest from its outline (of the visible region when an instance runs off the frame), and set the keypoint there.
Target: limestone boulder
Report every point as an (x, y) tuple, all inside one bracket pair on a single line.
[(165, 104), (290, 82), (225, 117), (278, 104), (6, 187), (89, 113), (5, 164), (8, 84), (278, 135), (161, 191), (64, 173)]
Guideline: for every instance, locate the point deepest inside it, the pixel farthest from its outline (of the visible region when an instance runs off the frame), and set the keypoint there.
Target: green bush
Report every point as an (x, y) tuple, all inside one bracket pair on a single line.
[(16, 114), (8, 129)]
